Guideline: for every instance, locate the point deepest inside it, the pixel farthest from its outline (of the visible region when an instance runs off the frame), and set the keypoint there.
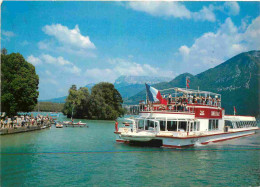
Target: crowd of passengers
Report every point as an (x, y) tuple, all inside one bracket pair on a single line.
[(179, 103), (193, 99), (23, 121)]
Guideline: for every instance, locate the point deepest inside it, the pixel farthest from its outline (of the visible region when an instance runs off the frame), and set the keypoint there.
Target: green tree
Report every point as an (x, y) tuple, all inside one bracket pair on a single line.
[(82, 108), (105, 102), (4, 51), (78, 101), (19, 84)]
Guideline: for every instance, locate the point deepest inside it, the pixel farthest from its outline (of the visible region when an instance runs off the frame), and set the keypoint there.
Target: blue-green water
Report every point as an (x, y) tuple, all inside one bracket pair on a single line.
[(90, 156)]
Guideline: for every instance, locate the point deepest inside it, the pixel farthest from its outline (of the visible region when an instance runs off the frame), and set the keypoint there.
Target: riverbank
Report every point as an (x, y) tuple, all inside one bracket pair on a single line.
[(14, 130), (24, 123)]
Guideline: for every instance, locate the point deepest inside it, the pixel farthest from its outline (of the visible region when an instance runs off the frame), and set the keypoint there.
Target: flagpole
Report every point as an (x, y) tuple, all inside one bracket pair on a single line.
[(186, 83)]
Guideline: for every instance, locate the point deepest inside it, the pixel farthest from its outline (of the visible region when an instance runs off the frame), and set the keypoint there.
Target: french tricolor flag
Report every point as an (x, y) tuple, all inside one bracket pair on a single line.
[(154, 95)]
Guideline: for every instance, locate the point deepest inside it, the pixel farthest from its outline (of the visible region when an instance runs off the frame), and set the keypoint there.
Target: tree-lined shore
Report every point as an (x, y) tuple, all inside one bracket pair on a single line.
[(49, 107)]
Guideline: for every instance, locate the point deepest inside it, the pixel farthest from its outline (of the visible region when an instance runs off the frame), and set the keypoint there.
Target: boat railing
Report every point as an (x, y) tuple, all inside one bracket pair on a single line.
[(174, 107)]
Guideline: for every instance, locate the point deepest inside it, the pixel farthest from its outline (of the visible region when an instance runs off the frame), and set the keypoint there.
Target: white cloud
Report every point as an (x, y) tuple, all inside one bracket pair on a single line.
[(53, 60), (252, 34), (79, 52), (98, 75), (173, 9), (65, 40), (66, 36), (232, 8), (60, 62), (205, 14), (157, 8), (74, 70), (7, 35), (124, 67), (45, 45), (65, 65), (212, 49), (178, 9), (184, 50), (34, 60)]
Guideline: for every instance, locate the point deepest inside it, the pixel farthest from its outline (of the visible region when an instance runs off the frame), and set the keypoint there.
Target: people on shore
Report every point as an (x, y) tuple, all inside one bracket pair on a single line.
[(23, 121)]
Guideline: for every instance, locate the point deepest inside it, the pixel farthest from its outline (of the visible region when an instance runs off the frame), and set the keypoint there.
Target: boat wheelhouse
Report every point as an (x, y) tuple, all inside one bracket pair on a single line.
[(188, 117)]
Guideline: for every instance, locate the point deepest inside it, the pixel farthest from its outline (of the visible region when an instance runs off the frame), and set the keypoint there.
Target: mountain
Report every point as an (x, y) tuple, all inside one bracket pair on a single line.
[(63, 99), (55, 100), (126, 85), (90, 85), (237, 80), (131, 85)]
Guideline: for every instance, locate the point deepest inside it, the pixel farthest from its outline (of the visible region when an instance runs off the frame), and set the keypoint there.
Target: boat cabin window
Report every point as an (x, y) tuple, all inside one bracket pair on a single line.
[(213, 124), (196, 126), (243, 124), (172, 125), (141, 124), (229, 124), (150, 125), (162, 125), (182, 126)]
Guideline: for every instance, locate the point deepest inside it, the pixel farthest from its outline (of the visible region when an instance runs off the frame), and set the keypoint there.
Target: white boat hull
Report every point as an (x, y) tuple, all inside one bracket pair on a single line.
[(140, 137), (188, 141)]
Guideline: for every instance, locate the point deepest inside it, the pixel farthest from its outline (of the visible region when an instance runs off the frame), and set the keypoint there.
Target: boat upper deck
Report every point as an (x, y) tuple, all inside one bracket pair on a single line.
[(183, 101)]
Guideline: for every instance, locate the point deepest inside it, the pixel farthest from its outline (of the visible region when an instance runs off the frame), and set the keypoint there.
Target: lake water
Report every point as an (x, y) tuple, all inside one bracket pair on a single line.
[(91, 157)]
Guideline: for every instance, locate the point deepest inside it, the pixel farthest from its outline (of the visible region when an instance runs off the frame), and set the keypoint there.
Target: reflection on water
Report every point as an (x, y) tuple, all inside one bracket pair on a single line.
[(90, 156)]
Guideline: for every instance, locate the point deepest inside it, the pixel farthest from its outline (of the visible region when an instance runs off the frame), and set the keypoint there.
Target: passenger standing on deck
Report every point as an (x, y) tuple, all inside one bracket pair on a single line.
[(216, 101), (190, 98), (210, 100), (193, 100), (116, 126), (169, 99)]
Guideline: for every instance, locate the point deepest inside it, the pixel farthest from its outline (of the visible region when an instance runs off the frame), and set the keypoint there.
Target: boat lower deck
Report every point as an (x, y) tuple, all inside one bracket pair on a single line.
[(171, 141)]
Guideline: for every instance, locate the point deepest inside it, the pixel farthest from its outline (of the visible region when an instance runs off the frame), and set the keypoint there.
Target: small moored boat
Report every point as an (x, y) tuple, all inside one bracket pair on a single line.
[(59, 125), (78, 124)]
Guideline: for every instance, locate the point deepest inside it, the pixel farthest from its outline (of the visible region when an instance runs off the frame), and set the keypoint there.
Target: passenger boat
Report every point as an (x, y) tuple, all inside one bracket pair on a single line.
[(186, 118)]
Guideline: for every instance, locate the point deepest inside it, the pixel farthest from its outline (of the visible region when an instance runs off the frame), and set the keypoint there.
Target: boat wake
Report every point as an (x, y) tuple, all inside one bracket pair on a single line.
[(197, 144)]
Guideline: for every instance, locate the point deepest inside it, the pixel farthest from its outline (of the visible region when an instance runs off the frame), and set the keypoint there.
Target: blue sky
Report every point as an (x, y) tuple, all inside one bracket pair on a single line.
[(88, 42)]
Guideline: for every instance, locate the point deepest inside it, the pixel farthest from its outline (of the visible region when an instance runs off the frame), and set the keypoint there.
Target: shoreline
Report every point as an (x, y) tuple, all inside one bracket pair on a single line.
[(16, 130)]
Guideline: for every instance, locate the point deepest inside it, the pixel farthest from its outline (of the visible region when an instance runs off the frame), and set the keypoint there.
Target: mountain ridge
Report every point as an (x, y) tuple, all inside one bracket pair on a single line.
[(131, 85), (237, 79)]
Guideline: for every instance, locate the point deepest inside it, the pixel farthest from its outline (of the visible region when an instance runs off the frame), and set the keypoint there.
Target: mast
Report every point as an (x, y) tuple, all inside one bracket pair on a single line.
[(72, 111)]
